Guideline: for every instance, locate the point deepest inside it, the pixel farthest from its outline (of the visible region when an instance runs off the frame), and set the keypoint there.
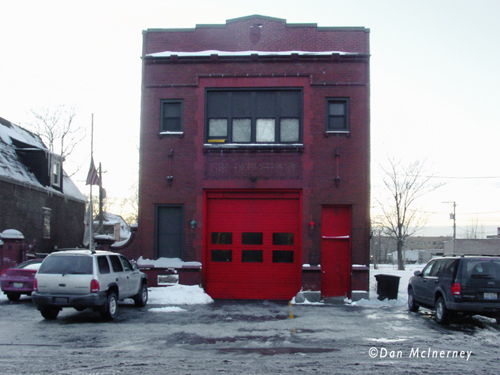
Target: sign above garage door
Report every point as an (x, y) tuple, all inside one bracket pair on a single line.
[(252, 244)]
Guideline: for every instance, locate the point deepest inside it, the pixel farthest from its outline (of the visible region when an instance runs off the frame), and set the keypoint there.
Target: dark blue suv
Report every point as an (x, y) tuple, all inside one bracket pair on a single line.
[(457, 284)]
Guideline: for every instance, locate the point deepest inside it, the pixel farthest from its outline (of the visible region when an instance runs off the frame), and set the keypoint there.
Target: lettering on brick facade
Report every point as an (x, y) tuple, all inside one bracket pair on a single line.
[(242, 170)]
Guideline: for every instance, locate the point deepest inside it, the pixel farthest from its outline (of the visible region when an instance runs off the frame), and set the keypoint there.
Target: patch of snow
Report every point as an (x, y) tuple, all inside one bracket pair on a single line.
[(167, 309), (12, 234), (306, 302), (165, 263), (178, 295)]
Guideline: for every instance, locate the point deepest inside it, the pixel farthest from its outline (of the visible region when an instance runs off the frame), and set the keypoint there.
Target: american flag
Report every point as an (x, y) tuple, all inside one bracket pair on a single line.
[(92, 177)]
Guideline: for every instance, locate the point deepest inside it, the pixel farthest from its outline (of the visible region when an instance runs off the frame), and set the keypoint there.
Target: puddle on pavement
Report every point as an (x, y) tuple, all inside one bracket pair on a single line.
[(276, 351)]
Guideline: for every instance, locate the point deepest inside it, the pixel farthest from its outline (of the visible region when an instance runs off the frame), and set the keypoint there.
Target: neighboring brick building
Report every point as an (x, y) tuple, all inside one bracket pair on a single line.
[(37, 198), (255, 156)]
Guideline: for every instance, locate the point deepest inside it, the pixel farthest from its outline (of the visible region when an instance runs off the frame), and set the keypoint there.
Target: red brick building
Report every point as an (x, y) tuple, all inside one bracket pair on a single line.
[(255, 155)]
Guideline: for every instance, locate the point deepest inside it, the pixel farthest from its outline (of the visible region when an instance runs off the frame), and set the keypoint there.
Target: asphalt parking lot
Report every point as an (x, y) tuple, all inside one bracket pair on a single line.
[(244, 337)]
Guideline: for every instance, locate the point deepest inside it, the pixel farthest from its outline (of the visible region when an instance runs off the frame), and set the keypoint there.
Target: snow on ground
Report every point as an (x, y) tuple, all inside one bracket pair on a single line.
[(192, 294), (389, 269), (178, 295)]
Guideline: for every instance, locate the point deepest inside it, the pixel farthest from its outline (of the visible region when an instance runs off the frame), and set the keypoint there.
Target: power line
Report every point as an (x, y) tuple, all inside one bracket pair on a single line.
[(464, 177)]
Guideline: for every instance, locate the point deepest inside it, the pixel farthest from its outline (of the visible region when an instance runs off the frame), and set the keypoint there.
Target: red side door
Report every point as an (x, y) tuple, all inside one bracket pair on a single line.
[(336, 251)]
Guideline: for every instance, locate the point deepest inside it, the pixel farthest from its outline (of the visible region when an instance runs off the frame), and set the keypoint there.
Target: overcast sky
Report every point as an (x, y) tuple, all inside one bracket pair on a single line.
[(434, 81)]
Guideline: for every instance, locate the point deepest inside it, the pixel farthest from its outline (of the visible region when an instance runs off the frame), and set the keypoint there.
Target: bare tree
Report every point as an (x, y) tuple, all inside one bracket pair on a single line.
[(57, 129), (474, 230), (130, 206), (405, 184)]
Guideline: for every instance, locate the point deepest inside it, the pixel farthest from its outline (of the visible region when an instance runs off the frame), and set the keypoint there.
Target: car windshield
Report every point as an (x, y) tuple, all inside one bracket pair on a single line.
[(482, 268), (67, 265)]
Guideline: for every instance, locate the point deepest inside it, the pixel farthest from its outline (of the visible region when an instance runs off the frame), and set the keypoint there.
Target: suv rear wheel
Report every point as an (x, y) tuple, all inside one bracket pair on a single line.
[(442, 313), (49, 313), (110, 309)]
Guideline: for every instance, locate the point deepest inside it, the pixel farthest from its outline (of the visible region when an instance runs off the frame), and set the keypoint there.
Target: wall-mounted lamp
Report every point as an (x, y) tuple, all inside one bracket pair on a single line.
[(336, 180), (170, 179), (193, 224), (311, 225)]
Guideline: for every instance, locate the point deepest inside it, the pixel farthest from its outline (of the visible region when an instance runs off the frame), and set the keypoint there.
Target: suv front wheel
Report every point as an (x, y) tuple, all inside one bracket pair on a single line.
[(141, 299), (412, 306), (442, 313), (110, 309)]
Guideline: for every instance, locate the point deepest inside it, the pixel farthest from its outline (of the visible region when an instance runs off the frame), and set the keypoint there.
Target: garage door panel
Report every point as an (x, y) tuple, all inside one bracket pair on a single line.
[(265, 231)]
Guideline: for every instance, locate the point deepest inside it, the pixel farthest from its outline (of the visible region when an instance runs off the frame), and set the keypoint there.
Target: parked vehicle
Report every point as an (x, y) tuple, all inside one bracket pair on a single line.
[(18, 280), (457, 284), (87, 279)]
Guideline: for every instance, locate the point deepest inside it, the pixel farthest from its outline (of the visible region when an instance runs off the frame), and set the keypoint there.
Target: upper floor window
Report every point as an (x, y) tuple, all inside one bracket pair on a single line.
[(56, 173), (337, 112), (259, 116), (171, 116)]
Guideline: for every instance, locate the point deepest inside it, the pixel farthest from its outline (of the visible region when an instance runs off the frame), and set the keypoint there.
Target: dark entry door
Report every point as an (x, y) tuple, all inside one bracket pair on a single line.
[(336, 251), (169, 232)]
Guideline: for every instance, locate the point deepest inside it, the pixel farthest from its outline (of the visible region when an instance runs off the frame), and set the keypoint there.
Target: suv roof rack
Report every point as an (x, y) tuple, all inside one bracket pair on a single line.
[(471, 255)]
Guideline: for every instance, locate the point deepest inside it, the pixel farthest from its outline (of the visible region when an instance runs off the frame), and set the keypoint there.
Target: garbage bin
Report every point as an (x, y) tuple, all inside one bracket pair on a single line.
[(387, 286)]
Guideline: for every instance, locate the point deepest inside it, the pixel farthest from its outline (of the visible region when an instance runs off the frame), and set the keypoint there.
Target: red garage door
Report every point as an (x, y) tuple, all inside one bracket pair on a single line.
[(252, 245)]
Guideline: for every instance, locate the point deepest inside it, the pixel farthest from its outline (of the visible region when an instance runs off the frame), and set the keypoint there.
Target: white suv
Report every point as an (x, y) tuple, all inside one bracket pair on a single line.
[(87, 279)]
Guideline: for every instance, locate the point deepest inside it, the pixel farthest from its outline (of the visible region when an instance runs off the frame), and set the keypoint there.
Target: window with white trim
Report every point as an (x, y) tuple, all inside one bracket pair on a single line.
[(260, 116), (56, 173)]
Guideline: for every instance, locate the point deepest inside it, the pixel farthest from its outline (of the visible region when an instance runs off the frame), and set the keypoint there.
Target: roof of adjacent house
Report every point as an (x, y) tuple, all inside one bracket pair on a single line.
[(13, 170)]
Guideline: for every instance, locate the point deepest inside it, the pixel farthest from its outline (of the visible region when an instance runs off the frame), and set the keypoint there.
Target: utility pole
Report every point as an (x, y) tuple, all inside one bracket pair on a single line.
[(453, 216), (101, 219)]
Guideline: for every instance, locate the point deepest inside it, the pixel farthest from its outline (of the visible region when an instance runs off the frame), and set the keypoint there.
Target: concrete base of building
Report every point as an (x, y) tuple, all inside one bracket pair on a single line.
[(315, 296)]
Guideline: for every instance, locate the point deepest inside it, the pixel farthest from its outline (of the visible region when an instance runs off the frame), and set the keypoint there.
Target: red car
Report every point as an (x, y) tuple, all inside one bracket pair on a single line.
[(19, 279)]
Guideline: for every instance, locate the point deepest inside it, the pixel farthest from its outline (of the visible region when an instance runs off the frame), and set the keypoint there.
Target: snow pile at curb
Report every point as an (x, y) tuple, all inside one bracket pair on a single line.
[(178, 295)]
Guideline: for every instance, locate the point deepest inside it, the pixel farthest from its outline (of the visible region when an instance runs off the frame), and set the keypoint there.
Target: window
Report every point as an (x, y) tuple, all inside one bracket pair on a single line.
[(280, 256), (337, 112), (47, 213), (126, 264), (102, 262), (283, 239), (56, 173), (116, 263), (171, 116), (250, 238), (252, 256), (222, 256), (222, 238), (428, 269), (254, 116)]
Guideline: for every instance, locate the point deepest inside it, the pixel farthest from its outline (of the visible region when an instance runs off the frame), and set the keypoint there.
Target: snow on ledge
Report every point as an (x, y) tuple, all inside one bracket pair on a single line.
[(248, 53), (165, 263)]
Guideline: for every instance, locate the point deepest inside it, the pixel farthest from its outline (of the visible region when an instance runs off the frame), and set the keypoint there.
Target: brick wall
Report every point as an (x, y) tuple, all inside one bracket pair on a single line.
[(22, 209), (312, 168)]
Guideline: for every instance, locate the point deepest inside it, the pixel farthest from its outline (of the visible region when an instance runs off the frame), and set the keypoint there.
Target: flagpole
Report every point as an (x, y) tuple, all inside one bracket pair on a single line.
[(91, 211)]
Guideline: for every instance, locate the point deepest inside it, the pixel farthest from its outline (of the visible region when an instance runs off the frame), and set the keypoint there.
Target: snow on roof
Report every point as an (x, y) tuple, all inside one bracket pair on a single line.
[(13, 170), (248, 53), (11, 131)]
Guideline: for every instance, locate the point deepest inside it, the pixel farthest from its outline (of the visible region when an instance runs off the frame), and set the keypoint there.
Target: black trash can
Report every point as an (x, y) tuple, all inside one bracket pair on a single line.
[(387, 286)]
